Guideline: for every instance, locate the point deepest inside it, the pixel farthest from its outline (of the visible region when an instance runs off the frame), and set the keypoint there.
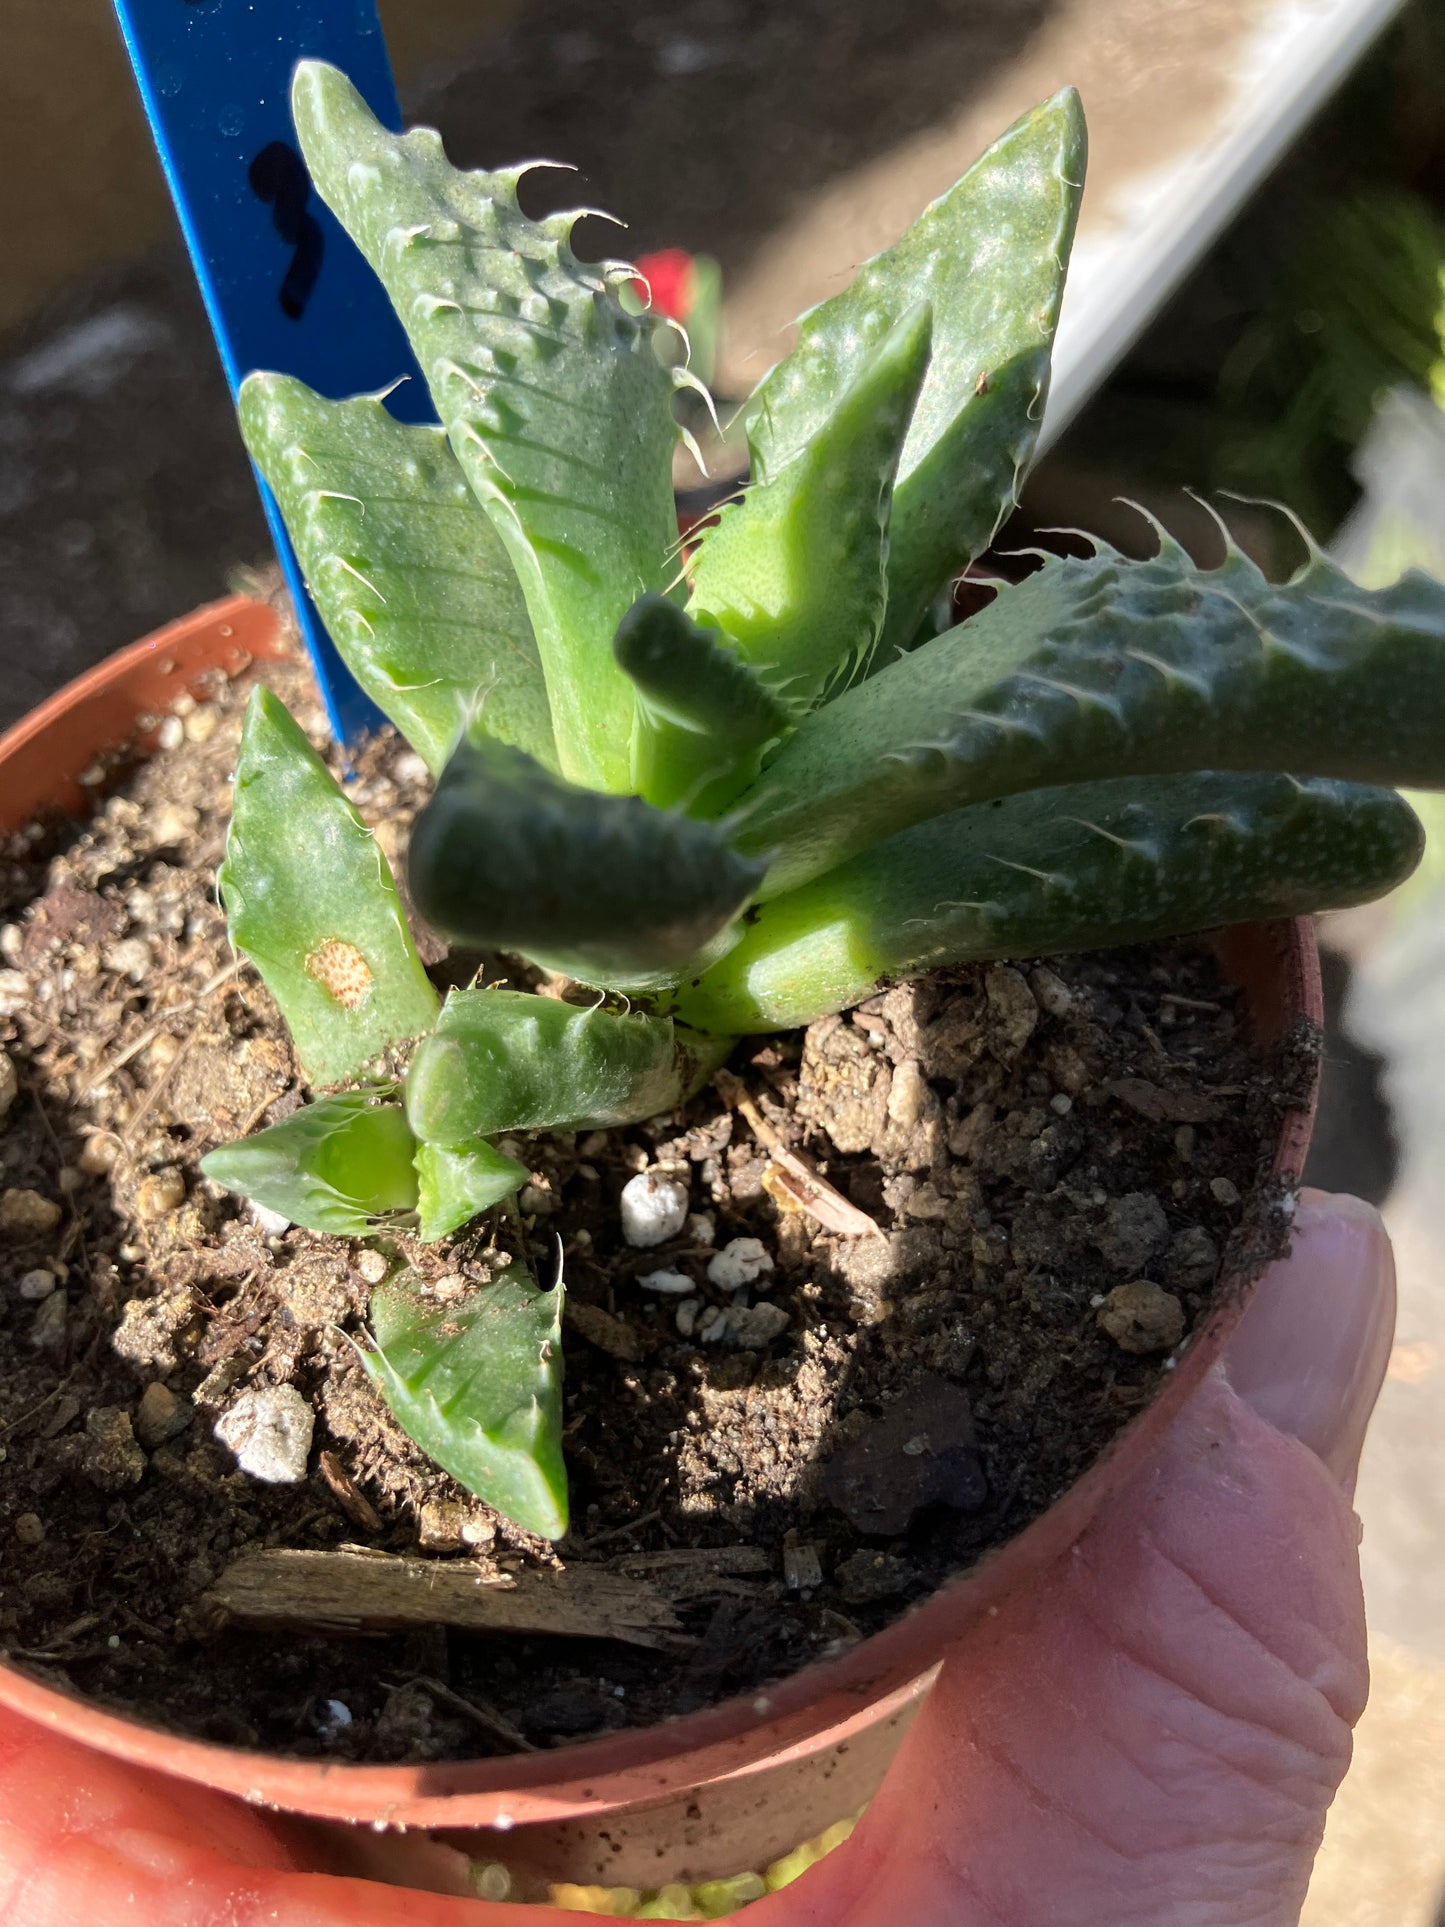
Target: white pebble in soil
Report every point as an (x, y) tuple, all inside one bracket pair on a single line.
[(686, 1316), (130, 958), (653, 1207), (14, 992), (410, 768), (26, 1214), (271, 1224), (740, 1262), (713, 1328), (331, 1719), (674, 1284), (36, 1285), (270, 1433), (9, 1084)]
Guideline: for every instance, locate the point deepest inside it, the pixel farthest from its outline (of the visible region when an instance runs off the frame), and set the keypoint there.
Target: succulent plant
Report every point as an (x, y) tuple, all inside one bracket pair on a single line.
[(736, 783)]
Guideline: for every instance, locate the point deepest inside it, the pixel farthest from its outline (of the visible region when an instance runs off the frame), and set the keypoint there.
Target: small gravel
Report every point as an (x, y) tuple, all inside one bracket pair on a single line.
[(160, 1194), (1142, 1318), (160, 1416), (26, 1214), (48, 1327), (673, 1283), (654, 1208), (270, 1433), (740, 1262)]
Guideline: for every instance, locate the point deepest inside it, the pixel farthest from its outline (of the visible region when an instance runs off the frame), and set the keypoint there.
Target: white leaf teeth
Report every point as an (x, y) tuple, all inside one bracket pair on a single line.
[(689, 442), (685, 378)]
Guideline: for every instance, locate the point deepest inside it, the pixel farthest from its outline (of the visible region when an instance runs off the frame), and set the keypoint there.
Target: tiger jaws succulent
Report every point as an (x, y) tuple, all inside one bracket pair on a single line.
[(733, 787)]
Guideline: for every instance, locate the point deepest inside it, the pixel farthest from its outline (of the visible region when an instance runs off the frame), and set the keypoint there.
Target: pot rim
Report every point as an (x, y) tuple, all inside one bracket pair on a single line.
[(1276, 963)]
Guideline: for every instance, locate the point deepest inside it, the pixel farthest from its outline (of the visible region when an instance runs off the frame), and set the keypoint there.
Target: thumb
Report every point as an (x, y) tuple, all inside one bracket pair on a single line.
[(1154, 1734)]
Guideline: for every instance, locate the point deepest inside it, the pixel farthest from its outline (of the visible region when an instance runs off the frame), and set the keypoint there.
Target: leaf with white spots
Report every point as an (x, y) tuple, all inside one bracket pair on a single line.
[(1053, 871), (310, 900), (990, 257), (411, 578), (795, 574), (508, 856), (704, 715), (1110, 667), (557, 406)]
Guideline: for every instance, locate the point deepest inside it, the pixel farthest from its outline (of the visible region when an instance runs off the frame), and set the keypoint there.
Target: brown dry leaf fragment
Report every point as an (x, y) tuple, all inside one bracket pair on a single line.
[(790, 1182), (1161, 1106)]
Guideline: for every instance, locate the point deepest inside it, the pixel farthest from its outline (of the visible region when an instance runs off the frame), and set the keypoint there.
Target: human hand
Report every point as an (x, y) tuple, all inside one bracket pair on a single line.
[(1150, 1739)]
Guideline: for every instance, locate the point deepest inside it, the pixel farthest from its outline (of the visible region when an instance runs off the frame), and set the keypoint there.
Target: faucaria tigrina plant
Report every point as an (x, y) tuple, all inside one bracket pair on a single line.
[(744, 785)]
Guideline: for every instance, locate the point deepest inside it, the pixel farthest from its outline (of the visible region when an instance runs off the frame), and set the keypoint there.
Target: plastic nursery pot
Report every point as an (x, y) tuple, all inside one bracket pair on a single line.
[(703, 1796)]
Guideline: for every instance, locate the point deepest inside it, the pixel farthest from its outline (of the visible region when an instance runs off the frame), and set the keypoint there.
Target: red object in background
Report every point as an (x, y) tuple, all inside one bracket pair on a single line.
[(669, 275)]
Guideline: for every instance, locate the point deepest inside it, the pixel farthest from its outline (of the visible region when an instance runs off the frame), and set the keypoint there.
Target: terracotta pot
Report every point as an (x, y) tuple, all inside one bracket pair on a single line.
[(714, 1792)]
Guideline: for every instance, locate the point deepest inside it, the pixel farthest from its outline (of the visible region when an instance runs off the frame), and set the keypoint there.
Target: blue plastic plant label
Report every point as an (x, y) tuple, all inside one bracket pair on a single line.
[(285, 286)]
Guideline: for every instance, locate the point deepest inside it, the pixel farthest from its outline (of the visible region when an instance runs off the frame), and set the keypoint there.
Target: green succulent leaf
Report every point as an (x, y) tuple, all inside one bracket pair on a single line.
[(477, 1384), (990, 256), (310, 900), (558, 409), (1119, 668), (504, 1060), (608, 888), (1058, 870), (412, 579), (337, 1165), (703, 716), (457, 1182), (796, 571)]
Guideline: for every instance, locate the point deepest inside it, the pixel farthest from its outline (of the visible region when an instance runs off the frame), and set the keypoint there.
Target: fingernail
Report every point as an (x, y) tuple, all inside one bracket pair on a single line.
[(1310, 1352)]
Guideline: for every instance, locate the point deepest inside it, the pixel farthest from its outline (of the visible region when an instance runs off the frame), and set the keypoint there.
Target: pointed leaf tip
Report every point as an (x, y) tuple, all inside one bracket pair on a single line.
[(478, 1385), (995, 310)]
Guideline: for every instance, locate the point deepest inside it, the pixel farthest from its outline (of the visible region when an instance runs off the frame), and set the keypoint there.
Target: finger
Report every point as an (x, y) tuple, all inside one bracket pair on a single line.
[(1310, 1353), (1155, 1733), (85, 1839)]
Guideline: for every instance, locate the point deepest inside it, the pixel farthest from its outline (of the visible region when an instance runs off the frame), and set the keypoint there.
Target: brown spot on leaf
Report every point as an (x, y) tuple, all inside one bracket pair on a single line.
[(341, 971)]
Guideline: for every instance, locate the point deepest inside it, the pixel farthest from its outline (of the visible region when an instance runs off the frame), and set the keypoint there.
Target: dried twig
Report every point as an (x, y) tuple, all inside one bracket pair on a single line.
[(486, 1717), (796, 1179), (348, 1495), (149, 1035)]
